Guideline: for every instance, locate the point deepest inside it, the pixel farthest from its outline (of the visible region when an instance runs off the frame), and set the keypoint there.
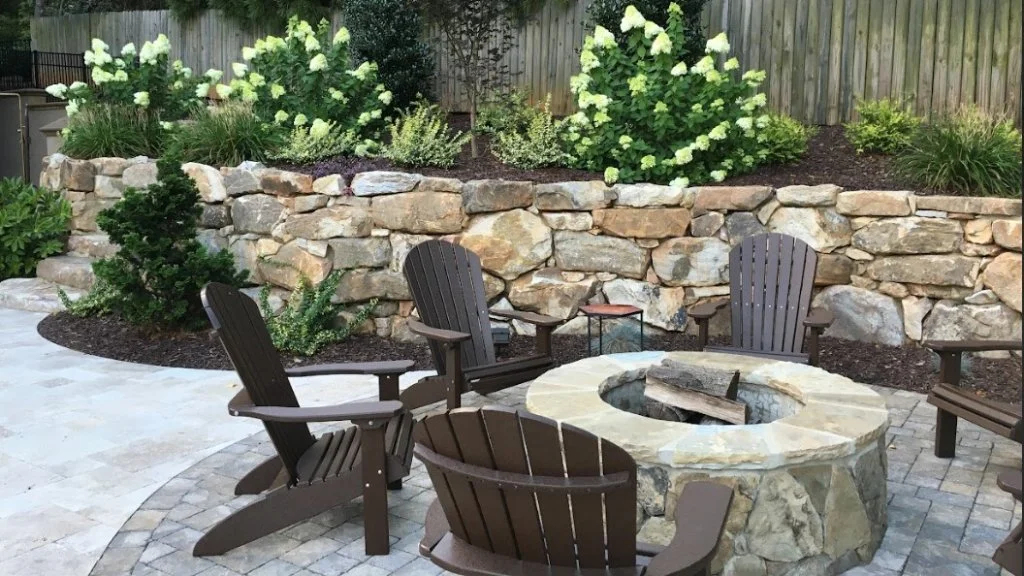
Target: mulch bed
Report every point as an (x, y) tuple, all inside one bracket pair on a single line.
[(904, 368), (830, 159)]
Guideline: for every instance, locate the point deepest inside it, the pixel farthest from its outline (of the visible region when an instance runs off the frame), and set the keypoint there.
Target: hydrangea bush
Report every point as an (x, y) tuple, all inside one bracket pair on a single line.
[(646, 114), (141, 78), (304, 80)]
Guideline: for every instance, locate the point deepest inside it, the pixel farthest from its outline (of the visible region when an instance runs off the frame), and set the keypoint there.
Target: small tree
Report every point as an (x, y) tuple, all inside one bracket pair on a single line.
[(155, 277), (469, 27)]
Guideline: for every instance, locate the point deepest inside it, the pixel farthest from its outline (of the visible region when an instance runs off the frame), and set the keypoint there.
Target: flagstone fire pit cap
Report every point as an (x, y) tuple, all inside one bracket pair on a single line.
[(835, 417)]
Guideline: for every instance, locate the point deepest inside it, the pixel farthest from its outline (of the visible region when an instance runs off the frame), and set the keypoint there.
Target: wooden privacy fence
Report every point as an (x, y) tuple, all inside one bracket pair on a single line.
[(821, 55)]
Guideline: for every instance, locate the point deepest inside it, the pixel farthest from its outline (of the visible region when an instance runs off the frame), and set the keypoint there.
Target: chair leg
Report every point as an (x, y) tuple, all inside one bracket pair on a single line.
[(813, 346), (945, 434), (396, 485), (260, 478), (375, 496), (702, 333)]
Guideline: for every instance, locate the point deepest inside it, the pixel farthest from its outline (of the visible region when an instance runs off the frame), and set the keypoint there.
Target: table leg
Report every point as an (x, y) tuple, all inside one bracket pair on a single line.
[(600, 336), (590, 346), (641, 331)]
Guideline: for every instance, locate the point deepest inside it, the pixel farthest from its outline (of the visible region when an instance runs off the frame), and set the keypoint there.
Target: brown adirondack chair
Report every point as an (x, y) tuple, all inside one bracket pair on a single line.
[(1010, 554), (770, 281), (309, 475), (953, 402), (447, 286), (506, 504)]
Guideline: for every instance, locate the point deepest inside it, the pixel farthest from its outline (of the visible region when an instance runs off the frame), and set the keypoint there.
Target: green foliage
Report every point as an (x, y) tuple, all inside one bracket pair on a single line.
[(608, 13), (539, 145), (885, 126), (156, 275), (968, 151), (388, 32), (786, 139), (226, 136), (322, 140), (185, 10), (33, 225), (304, 77), (14, 19), (646, 115), (308, 322), (505, 111), (421, 137), (113, 130), (252, 12)]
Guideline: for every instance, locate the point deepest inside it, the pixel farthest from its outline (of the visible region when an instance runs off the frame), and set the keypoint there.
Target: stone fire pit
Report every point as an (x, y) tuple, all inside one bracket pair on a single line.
[(809, 476)]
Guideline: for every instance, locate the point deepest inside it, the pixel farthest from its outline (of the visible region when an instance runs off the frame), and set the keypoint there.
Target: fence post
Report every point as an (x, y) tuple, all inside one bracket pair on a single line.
[(35, 68)]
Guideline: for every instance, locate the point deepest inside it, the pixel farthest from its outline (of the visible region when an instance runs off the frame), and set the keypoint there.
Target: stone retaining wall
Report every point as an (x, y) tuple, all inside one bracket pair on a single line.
[(893, 266)]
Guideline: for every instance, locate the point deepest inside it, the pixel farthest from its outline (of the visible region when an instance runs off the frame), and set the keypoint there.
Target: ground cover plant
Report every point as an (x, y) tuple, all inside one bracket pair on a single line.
[(421, 137), (884, 126), (968, 151), (225, 136), (785, 139), (647, 114), (537, 144), (33, 225)]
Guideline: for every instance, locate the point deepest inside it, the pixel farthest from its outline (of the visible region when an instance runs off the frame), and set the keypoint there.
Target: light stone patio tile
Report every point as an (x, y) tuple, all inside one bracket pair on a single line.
[(181, 563), (254, 554), (889, 560), (311, 551), (155, 550), (275, 568), (949, 515), (989, 516), (333, 564), (981, 540), (418, 567), (393, 561), (366, 570)]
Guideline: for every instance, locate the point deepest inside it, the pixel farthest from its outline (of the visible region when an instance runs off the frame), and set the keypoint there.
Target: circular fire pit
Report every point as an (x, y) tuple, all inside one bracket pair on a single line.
[(808, 476)]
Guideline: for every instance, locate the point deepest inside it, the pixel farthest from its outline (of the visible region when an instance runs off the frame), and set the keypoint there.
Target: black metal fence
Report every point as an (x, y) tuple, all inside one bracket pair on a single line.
[(22, 67)]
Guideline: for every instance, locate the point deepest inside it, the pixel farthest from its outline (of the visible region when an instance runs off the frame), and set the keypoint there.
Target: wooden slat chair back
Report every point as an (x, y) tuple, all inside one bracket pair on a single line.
[(504, 487), (238, 323), (447, 286), (771, 277)]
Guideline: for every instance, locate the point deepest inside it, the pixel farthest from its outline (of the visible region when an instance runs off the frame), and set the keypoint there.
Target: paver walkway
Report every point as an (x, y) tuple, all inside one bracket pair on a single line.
[(945, 516), (85, 440)]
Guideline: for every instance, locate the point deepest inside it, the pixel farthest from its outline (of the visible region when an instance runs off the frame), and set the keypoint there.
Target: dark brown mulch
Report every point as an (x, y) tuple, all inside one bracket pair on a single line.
[(904, 368)]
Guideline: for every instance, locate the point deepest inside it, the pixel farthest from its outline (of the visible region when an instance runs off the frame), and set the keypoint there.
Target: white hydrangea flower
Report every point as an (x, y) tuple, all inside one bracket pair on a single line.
[(679, 184), (579, 118), (638, 84), (256, 79), (718, 175), (601, 101), (697, 108), (611, 175), (660, 108), (702, 142), (119, 63), (319, 129), (719, 132), (718, 45), (312, 44), (632, 19), (684, 155), (648, 162), (713, 76), (336, 94), (223, 91), (276, 91), (300, 120), (603, 38), (203, 90), (718, 103), (746, 123), (679, 69), (162, 44), (318, 63), (57, 90), (128, 50), (385, 97), (625, 142), (98, 45), (602, 117), (249, 95), (588, 61), (141, 99), (248, 53), (651, 29), (662, 45), (274, 43), (239, 70), (363, 71), (762, 121), (101, 76), (71, 108), (579, 83), (166, 125), (148, 53), (731, 64), (376, 114), (342, 36), (76, 85), (759, 99), (178, 84), (260, 46), (214, 75), (364, 119), (703, 66), (89, 58), (280, 117), (754, 78)]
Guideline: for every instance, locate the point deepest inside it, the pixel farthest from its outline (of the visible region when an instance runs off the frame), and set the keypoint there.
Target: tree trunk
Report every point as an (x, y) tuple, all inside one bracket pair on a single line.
[(473, 145), (39, 5)]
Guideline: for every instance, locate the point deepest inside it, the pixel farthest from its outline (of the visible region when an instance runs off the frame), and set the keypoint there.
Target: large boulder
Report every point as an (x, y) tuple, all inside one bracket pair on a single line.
[(361, 285), (548, 291), (914, 312), (707, 225), (862, 315), (729, 198), (282, 183), (140, 174), (970, 205), (945, 270), (401, 245), (692, 262), (573, 196), (240, 181), (874, 203), (950, 320), (663, 307), (291, 264), (577, 221), (1003, 276), (646, 195), (419, 212), (326, 223), (380, 183), (783, 525), (255, 213), (823, 229), (85, 212), (741, 225), (833, 269), (348, 253), (912, 235), (588, 253), (804, 196), (480, 196), (509, 243), (208, 181), (1007, 233), (643, 223)]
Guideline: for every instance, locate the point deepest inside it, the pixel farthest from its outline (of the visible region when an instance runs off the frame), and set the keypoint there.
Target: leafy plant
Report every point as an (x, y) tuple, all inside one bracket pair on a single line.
[(421, 137), (388, 32), (786, 139), (321, 140), (647, 115), (156, 275), (250, 12), (884, 126), (117, 130), (608, 14), (33, 225), (308, 322), (504, 111), (968, 151), (538, 146), (305, 77), (226, 136)]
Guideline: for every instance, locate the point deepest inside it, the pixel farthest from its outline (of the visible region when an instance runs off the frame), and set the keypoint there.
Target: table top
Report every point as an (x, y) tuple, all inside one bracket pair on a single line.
[(610, 310)]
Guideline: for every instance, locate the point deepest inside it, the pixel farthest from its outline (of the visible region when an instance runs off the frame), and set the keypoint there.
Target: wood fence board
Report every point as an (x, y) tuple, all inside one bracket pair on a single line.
[(887, 49), (1013, 80), (941, 73), (954, 58), (927, 68), (913, 66), (835, 62), (899, 48), (969, 71), (1000, 57)]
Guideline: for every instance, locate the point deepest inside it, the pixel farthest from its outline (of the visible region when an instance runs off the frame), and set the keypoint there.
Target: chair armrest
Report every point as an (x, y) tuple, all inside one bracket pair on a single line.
[(446, 336), (971, 345), (374, 368), (1010, 482), (700, 518), (707, 309), (819, 318), (240, 405), (528, 317)]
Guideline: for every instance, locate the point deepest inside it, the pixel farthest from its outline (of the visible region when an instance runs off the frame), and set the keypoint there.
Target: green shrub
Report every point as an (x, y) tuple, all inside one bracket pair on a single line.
[(155, 277), (305, 77), (33, 225), (645, 115), (884, 126), (505, 112), (388, 32), (608, 14), (322, 140), (226, 136), (112, 130), (968, 151), (539, 145), (308, 322), (786, 139), (421, 137)]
